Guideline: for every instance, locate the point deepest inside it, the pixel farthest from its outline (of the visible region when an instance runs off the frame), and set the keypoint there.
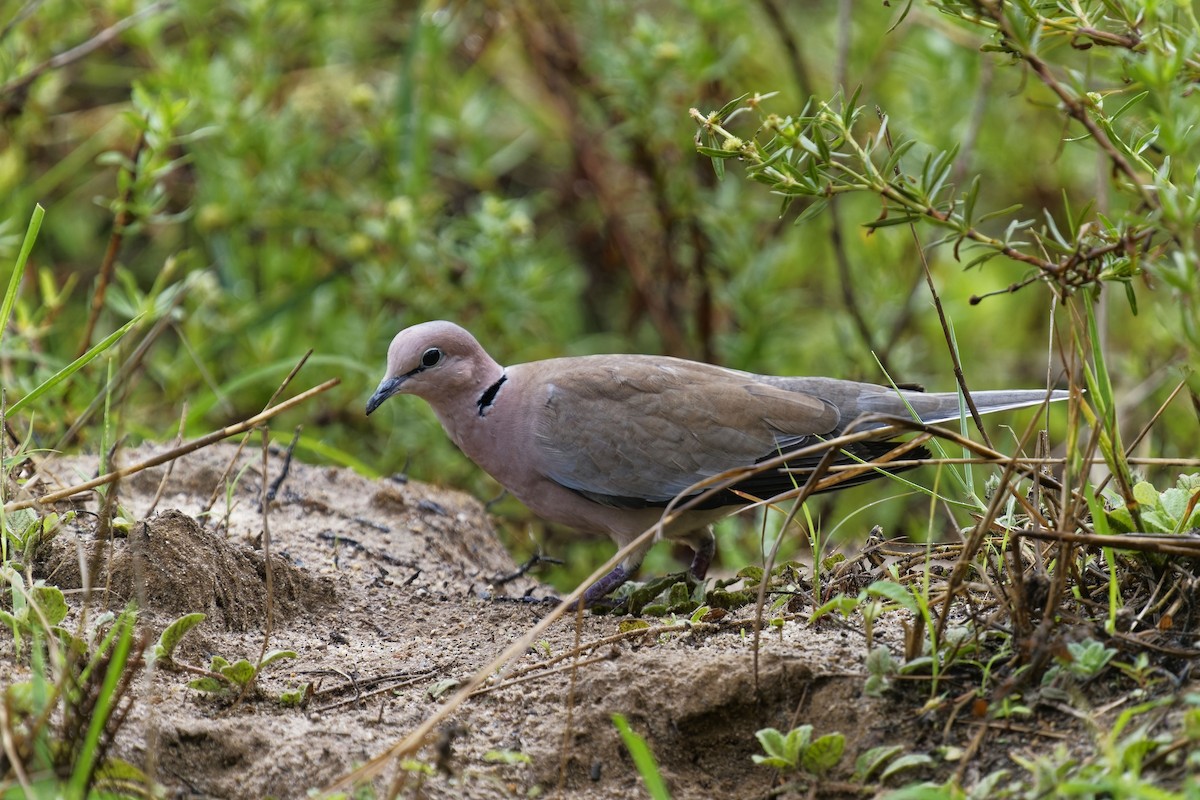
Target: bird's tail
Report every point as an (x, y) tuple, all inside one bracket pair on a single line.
[(939, 407)]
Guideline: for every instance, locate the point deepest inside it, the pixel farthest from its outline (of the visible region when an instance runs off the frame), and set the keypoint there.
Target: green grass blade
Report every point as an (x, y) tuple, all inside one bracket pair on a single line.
[(643, 759), (107, 700), (74, 366), (14, 282)]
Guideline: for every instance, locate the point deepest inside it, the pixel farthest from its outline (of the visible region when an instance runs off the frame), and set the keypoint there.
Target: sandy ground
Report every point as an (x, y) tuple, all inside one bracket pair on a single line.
[(381, 588)]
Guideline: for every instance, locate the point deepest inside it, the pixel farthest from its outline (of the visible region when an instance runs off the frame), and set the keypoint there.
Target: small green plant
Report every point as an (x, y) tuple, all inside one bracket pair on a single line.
[(881, 670), (84, 687), (1173, 510), (222, 677), (225, 676), (1142, 672), (39, 608), (442, 688), (797, 751), (1087, 659)]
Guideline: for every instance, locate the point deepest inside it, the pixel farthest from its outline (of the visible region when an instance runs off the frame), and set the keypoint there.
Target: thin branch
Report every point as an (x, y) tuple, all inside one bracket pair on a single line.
[(83, 50), (170, 455), (121, 222)]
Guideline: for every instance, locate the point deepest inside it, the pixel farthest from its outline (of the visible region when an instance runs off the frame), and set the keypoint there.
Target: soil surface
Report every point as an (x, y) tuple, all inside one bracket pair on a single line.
[(383, 590)]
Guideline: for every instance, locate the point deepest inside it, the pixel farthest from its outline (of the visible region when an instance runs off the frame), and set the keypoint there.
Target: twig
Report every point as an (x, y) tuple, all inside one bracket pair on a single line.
[(83, 50), (22, 13), (955, 361), (1071, 103), (162, 485), (1178, 544), (170, 455), (360, 696), (534, 560), (123, 372), (219, 483), (121, 222), (283, 471)]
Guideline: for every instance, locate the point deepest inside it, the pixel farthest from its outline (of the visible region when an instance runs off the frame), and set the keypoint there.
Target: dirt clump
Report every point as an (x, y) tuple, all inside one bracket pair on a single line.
[(171, 566)]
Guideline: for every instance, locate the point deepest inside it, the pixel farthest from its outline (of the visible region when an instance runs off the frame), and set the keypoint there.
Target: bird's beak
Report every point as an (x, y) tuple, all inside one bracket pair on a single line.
[(387, 388)]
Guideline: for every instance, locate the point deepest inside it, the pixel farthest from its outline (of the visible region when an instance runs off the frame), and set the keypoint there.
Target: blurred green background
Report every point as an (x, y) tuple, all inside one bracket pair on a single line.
[(296, 175)]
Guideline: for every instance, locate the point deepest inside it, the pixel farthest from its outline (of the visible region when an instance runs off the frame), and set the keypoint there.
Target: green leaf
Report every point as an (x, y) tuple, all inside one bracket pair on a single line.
[(14, 281), (751, 573), (774, 744), (1174, 504), (921, 665), (107, 700), (898, 594), (50, 601), (75, 365), (1120, 519), (824, 753), (241, 672), (840, 604), (906, 762), (871, 761), (927, 791), (1145, 493), (628, 625), (774, 762), (19, 698), (114, 772), (729, 107), (439, 689), (170, 638), (716, 152), (276, 655)]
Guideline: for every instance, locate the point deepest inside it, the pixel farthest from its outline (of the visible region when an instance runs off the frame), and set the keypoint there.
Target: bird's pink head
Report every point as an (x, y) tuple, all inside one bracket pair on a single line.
[(436, 361)]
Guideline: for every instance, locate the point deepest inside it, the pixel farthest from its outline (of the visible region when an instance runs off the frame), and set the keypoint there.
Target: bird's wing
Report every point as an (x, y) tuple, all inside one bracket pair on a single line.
[(632, 431)]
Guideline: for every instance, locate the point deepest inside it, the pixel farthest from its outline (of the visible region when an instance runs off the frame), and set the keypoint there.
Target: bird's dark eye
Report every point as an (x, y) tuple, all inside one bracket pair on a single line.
[(431, 357)]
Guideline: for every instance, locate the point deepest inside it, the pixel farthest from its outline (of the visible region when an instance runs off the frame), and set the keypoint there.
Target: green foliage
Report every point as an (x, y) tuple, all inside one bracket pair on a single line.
[(1173, 510), (81, 687), (221, 677), (230, 184), (1087, 659), (881, 669), (385, 167), (798, 751), (36, 610), (225, 677), (443, 687)]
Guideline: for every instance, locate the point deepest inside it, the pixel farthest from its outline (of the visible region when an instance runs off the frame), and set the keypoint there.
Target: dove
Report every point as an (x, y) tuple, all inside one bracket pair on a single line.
[(604, 443)]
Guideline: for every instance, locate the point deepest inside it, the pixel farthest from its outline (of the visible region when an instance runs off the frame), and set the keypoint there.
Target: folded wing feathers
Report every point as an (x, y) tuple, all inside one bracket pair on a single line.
[(635, 431)]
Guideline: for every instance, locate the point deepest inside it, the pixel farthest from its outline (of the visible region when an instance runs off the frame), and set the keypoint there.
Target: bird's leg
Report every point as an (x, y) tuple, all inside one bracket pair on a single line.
[(704, 547), (598, 592)]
